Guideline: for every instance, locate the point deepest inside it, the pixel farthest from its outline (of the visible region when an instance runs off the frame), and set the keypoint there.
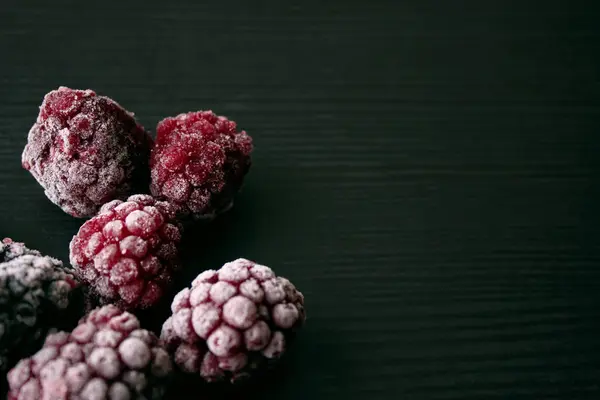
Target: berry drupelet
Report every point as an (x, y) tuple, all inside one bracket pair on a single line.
[(107, 356), (233, 321), (128, 252), (86, 150), (199, 162)]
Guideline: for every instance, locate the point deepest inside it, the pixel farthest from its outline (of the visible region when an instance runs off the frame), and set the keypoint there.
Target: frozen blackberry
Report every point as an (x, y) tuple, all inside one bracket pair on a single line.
[(199, 162), (86, 150), (36, 295), (107, 356), (9, 250), (233, 321), (128, 252)]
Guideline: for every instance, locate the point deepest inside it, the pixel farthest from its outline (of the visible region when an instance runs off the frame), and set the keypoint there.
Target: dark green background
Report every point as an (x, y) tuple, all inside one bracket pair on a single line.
[(425, 172)]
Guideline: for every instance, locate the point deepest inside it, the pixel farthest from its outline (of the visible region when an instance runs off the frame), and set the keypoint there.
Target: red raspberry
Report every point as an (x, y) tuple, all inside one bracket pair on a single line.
[(232, 321), (128, 252), (199, 162), (107, 356), (85, 150)]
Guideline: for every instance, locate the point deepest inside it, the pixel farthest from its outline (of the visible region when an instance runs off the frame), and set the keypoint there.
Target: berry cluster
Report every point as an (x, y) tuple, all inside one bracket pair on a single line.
[(94, 160), (36, 295), (85, 150), (232, 321), (199, 162), (127, 254), (107, 356)]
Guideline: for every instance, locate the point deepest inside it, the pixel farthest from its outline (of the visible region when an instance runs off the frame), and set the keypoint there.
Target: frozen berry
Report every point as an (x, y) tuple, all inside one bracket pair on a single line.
[(128, 252), (199, 162), (86, 150), (107, 356), (36, 295), (233, 321), (9, 250)]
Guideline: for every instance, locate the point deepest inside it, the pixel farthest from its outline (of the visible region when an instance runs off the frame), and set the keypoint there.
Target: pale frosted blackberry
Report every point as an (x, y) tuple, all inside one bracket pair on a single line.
[(36, 295), (107, 356), (233, 321)]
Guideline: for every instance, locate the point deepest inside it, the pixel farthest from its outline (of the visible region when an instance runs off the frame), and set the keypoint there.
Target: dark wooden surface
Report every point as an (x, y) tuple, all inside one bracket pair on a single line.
[(425, 172)]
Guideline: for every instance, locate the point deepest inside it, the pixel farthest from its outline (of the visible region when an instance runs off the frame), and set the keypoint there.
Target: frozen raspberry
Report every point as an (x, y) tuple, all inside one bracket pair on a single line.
[(107, 356), (85, 150), (199, 162), (233, 321), (9, 250), (128, 252), (36, 295)]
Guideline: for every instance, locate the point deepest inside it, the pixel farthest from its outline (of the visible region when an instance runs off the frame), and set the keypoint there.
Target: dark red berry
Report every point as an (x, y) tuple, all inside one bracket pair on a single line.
[(86, 150), (36, 295), (107, 356), (233, 321), (199, 162), (128, 252)]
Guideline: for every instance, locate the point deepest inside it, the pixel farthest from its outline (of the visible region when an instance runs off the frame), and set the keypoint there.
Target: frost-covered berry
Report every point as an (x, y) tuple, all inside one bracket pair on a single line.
[(36, 295), (233, 321), (107, 356), (199, 162), (128, 252), (9, 250), (86, 150)]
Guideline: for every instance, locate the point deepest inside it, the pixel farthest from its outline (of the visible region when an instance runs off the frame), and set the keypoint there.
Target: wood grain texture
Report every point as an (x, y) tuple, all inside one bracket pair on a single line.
[(426, 172)]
